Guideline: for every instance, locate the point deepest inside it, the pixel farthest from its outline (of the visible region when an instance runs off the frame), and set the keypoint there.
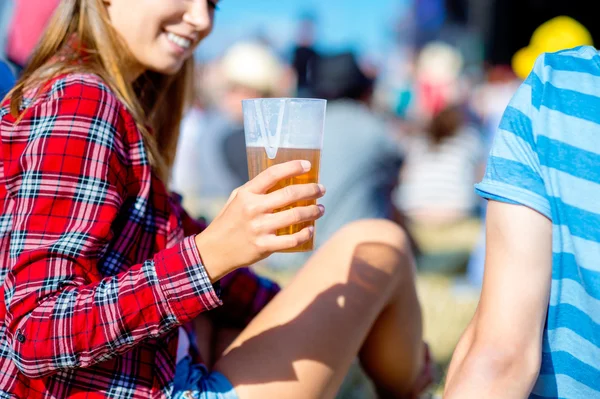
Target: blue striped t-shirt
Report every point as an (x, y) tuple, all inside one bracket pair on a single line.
[(546, 156)]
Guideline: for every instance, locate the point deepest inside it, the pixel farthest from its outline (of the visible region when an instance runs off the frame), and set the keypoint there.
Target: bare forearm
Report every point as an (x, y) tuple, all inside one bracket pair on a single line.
[(460, 353)]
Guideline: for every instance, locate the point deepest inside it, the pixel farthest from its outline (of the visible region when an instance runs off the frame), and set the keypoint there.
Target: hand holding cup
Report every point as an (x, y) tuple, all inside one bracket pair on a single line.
[(246, 229)]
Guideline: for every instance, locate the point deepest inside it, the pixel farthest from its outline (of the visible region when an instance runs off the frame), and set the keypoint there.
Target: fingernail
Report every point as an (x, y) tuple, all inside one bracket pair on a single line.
[(322, 188), (305, 165), (321, 208), (311, 230)]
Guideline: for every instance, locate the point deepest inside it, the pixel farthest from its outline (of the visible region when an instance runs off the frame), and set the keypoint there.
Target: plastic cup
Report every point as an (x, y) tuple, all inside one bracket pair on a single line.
[(279, 130)]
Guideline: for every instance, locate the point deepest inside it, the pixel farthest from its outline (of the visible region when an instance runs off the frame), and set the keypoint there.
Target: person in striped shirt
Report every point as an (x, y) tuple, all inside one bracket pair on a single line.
[(536, 331)]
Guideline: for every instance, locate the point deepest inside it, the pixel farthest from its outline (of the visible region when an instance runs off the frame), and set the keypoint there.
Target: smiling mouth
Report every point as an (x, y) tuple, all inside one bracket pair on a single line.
[(179, 40)]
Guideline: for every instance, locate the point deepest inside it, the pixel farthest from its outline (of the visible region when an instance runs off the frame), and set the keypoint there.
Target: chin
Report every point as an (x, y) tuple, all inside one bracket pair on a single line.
[(167, 69)]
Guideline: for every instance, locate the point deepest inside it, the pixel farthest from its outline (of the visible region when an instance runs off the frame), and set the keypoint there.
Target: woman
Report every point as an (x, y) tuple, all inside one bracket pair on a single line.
[(99, 285)]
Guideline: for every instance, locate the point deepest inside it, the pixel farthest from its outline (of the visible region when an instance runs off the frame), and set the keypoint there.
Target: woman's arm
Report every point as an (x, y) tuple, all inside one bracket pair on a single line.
[(243, 292)]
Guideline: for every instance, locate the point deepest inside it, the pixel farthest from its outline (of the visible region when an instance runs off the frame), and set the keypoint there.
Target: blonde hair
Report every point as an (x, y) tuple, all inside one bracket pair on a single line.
[(81, 34)]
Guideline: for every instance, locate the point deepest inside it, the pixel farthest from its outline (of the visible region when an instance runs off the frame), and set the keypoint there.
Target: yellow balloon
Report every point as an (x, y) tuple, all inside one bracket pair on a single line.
[(557, 34)]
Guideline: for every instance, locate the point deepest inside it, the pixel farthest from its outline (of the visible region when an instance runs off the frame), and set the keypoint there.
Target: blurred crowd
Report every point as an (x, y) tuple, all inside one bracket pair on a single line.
[(406, 138)]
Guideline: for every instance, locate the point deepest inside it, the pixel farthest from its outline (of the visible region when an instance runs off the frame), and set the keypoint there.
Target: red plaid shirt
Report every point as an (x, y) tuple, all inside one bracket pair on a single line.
[(95, 272)]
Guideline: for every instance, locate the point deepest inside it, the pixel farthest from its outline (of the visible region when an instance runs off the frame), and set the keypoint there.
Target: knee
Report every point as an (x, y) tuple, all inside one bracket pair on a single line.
[(382, 243), (376, 231)]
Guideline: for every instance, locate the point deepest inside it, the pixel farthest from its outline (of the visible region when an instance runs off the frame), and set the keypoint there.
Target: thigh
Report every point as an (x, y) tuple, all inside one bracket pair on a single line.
[(302, 344), (205, 333), (212, 339), (224, 337)]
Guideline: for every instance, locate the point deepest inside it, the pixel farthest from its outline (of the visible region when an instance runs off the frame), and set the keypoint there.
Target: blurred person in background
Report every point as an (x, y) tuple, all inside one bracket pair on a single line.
[(535, 331), (436, 190), (27, 23), (357, 138), (304, 54), (6, 11), (429, 16), (7, 79), (443, 161), (438, 80), (211, 144), (106, 283), (489, 100), (440, 170)]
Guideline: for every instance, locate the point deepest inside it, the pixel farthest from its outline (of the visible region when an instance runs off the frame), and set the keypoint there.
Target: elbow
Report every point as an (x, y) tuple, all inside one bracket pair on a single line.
[(24, 354), (506, 361), (30, 367), (34, 368), (31, 372), (36, 364), (495, 371)]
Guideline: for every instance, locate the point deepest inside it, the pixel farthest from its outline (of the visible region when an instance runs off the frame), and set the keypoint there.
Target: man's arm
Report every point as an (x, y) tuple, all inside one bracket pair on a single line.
[(500, 353)]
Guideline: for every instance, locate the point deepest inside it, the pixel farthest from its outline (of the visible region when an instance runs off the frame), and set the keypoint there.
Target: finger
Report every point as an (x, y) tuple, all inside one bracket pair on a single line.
[(273, 243), (292, 193), (274, 174), (293, 216)]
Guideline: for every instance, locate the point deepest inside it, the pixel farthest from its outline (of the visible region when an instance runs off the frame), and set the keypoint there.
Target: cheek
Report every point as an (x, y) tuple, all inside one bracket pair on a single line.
[(136, 27), (143, 40), (126, 27)]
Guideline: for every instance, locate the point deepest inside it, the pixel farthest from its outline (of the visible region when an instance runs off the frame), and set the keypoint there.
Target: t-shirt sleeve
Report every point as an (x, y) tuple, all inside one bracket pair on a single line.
[(513, 173)]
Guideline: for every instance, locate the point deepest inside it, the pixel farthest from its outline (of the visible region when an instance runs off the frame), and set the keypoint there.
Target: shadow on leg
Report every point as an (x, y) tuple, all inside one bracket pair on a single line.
[(302, 344)]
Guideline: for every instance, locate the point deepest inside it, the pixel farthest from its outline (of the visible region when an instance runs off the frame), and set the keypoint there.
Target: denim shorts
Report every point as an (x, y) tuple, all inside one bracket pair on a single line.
[(194, 381)]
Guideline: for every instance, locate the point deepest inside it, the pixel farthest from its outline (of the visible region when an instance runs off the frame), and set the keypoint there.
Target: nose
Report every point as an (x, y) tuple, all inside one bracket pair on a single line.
[(198, 15)]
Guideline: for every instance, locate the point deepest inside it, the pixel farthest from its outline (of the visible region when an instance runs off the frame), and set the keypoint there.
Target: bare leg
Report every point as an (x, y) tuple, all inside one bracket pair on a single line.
[(223, 339), (212, 340), (356, 292), (396, 339), (205, 336)]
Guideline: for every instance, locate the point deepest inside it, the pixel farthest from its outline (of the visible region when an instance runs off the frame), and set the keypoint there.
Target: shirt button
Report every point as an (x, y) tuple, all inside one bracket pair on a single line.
[(20, 337)]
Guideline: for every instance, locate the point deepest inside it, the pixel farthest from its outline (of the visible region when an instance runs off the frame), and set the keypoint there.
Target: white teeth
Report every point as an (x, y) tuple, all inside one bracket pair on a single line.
[(178, 40)]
